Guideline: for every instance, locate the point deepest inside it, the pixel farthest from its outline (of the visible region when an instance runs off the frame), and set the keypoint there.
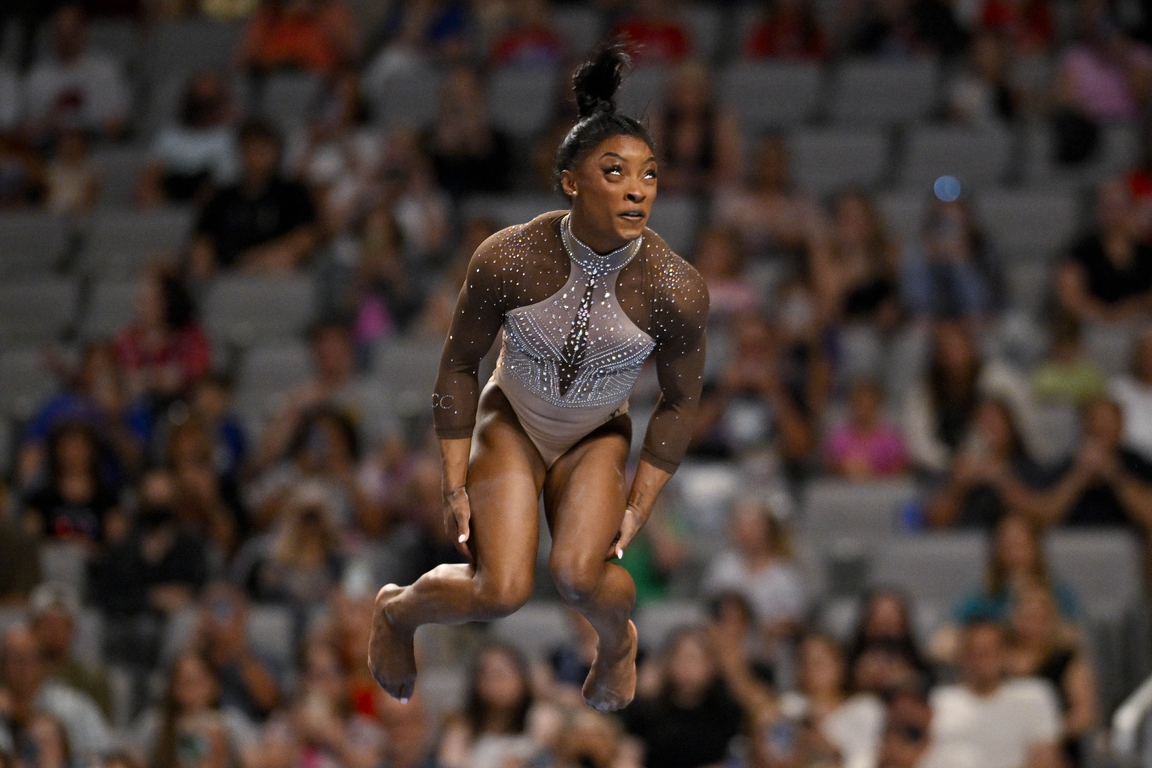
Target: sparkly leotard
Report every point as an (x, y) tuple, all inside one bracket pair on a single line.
[(577, 326)]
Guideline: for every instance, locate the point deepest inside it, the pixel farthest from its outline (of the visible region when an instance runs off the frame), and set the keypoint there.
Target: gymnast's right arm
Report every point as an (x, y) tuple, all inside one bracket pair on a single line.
[(476, 321)]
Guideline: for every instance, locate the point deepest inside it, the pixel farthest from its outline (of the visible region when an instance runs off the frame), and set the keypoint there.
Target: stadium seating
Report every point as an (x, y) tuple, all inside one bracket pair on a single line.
[(121, 242), (869, 92), (767, 95), (978, 158), (247, 310), (36, 311), (110, 306), (522, 100), (825, 160), (25, 382), (32, 244)]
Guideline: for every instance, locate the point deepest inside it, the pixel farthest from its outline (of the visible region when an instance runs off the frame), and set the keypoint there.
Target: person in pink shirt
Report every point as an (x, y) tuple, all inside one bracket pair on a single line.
[(865, 445)]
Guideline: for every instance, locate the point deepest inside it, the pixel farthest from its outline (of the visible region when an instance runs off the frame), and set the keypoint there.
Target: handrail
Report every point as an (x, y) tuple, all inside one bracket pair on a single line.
[(1127, 720)]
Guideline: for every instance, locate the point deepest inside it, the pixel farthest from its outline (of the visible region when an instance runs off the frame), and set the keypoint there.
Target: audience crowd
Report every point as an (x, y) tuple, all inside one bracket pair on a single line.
[(231, 560)]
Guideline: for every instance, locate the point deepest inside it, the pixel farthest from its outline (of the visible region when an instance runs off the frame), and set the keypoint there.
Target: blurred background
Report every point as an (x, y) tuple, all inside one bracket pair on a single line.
[(911, 530)]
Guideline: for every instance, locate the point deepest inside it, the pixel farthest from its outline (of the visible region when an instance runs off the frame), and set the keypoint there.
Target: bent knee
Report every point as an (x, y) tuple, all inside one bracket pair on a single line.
[(576, 581), (496, 599)]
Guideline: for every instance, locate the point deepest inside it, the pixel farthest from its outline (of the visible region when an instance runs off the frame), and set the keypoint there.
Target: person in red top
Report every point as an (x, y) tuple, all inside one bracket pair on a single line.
[(529, 39), (790, 31), (1028, 24), (164, 350), (655, 36), (317, 36)]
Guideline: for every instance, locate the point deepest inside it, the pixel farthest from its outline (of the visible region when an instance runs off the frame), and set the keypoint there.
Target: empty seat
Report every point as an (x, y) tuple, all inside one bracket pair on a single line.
[(705, 26), (884, 92), (31, 244), (119, 169), (272, 634), (287, 100), (267, 372), (403, 99), (837, 509), (1029, 222), (770, 94), (120, 243), (506, 210), (36, 312), (827, 159), (537, 628), (940, 568), (246, 310), (655, 622), (406, 370), (676, 219), (111, 305), (580, 25), (25, 382), (521, 99), (642, 92), (1118, 149), (1104, 567), (903, 213), (181, 46), (975, 157)]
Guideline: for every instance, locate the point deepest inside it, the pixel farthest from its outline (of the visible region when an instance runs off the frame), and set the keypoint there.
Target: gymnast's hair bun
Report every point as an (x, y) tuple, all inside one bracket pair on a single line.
[(596, 81)]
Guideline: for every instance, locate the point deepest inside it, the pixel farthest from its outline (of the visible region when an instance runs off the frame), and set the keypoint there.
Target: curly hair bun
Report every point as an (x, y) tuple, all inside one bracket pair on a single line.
[(596, 81)]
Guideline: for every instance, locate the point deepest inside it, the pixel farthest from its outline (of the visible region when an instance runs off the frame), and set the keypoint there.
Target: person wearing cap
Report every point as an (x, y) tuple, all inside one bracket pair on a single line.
[(53, 611)]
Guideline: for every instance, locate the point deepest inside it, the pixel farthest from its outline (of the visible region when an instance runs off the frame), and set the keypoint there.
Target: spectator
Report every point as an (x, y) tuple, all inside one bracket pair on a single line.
[(19, 574), (772, 217), (788, 31), (1069, 375), (423, 210), (192, 727), (163, 351), (655, 35), (939, 410), (159, 568), (684, 712), (1015, 562), (43, 743), (530, 40), (905, 28), (263, 223), (210, 404), (21, 173), (951, 273), (850, 723), (1107, 275), (76, 503), (198, 155), (884, 656), (991, 474), (909, 741), (74, 86), (982, 96), (469, 155), (1012, 723), (759, 565), (1101, 79), (317, 36), (1133, 393), (853, 272), (71, 181), (1026, 25), (54, 610), (700, 139), (865, 445), (245, 683), (720, 261), (495, 727), (27, 691), (1042, 646), (409, 736), (300, 561), (207, 501), (592, 740), (385, 296)]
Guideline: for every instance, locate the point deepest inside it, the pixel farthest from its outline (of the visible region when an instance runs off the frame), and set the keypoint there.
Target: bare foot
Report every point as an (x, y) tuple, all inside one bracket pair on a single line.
[(391, 652), (611, 683)]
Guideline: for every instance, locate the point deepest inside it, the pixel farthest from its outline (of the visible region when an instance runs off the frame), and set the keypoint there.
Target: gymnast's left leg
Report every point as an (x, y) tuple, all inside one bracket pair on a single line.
[(584, 498)]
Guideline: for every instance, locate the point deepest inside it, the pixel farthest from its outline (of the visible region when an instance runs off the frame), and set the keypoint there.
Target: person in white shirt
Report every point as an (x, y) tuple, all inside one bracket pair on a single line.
[(76, 87), (907, 741), (1133, 393), (1012, 723)]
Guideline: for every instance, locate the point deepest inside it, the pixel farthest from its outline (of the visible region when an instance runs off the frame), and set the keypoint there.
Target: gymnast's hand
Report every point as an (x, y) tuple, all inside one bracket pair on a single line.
[(629, 527), (457, 514)]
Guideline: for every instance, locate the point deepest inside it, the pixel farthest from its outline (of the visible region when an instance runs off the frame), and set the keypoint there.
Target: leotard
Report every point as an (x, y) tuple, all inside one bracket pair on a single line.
[(577, 327)]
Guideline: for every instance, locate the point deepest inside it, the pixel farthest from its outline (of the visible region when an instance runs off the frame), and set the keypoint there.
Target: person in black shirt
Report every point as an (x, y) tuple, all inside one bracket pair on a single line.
[(75, 504), (1107, 276), (263, 224)]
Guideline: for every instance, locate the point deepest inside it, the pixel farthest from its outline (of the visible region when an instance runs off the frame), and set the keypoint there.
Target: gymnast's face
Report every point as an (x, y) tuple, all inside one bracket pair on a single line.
[(612, 191)]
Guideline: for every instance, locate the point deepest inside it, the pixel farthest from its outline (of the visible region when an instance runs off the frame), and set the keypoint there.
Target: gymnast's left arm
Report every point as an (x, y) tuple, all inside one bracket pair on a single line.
[(678, 319)]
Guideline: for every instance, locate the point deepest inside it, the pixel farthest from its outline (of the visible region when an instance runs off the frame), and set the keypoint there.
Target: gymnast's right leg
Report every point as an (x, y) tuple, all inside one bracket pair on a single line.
[(505, 478)]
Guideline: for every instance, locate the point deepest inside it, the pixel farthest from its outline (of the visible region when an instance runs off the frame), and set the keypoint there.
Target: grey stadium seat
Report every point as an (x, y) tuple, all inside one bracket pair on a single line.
[(406, 370), (180, 47), (287, 100), (272, 634), (407, 99), (770, 94), (655, 622), (31, 244), (1104, 567), (903, 213), (1029, 222), (266, 373), (676, 219), (884, 92), (537, 628), (111, 305), (836, 509), (247, 310), (580, 25), (521, 100), (1118, 150), (642, 93), (941, 568), (25, 382), (506, 210), (119, 169), (825, 160), (1028, 284), (120, 243), (975, 157), (705, 26), (36, 311)]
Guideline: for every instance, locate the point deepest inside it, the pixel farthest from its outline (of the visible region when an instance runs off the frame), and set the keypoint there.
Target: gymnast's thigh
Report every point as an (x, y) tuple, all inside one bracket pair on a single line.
[(505, 477)]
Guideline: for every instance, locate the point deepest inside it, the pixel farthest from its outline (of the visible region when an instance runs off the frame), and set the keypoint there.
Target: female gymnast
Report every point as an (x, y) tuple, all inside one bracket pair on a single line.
[(583, 297)]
